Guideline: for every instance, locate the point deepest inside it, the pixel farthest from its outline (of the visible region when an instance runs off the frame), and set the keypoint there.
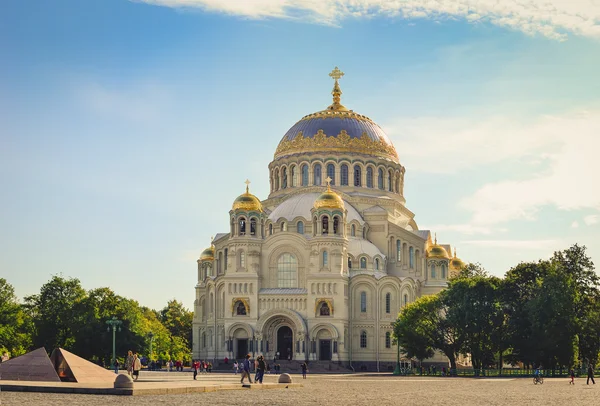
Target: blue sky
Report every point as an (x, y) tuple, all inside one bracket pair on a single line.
[(128, 128)]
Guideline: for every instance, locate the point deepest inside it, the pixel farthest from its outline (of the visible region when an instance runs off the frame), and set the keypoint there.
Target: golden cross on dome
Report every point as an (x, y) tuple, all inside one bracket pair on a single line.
[(328, 181), (336, 73), (247, 182)]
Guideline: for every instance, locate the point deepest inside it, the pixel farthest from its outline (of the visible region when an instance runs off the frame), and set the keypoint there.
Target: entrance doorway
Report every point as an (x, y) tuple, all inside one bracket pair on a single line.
[(285, 342), (325, 350), (242, 348)]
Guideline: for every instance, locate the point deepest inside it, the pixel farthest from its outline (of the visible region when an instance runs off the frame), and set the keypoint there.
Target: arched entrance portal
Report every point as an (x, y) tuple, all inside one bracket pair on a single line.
[(285, 342)]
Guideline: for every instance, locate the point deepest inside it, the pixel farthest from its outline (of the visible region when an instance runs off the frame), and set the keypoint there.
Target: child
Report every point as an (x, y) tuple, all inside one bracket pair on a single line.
[(572, 375)]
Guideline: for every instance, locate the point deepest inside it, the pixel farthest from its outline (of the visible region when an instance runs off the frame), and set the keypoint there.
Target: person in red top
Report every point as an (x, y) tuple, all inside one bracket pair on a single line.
[(195, 366)]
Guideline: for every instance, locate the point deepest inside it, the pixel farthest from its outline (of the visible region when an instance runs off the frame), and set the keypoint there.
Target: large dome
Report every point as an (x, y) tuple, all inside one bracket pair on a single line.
[(336, 129)]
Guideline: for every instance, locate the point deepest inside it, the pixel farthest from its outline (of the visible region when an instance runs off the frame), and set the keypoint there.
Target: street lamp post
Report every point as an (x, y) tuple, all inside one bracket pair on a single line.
[(151, 338), (397, 370), (115, 324)]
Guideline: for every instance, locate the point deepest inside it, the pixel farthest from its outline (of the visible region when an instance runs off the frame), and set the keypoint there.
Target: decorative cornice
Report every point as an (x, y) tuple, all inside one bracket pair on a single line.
[(320, 142)]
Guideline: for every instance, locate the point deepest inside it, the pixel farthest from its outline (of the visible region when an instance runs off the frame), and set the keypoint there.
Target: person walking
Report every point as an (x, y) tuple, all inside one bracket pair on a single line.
[(116, 366), (195, 366), (260, 369), (304, 370), (137, 366), (572, 375), (129, 363), (246, 369), (590, 374), (236, 367)]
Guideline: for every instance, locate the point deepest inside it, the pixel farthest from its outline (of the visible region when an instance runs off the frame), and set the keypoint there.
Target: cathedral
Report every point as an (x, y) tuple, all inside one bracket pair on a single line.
[(319, 270)]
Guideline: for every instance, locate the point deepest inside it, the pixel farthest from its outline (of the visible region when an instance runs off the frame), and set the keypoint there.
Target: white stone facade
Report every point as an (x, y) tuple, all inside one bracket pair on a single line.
[(317, 283)]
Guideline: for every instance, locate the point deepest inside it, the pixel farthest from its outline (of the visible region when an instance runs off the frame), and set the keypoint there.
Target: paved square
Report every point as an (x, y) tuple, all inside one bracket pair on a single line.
[(348, 390)]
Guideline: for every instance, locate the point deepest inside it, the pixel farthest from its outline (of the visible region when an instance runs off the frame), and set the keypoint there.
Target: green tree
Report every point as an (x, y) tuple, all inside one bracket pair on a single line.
[(474, 307), (56, 312), (15, 324), (428, 318)]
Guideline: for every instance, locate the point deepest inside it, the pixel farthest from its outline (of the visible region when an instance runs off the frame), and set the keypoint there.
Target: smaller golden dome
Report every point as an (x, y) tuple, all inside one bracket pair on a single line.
[(329, 199), (456, 263), (208, 254), (437, 251), (247, 201)]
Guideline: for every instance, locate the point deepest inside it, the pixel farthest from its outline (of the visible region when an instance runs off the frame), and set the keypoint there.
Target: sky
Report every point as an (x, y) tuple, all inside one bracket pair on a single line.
[(127, 128)]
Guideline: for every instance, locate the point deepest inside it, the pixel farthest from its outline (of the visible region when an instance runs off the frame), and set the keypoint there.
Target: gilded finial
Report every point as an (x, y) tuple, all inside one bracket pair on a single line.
[(328, 182), (435, 242), (247, 182), (336, 74)]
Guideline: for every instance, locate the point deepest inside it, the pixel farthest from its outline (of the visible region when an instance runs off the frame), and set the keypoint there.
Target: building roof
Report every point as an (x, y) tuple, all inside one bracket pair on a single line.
[(424, 234), (301, 205), (358, 246)]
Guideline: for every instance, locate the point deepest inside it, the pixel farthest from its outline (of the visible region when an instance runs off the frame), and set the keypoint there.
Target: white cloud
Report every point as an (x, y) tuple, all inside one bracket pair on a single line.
[(591, 219), (470, 141), (467, 229), (574, 224), (551, 18), (569, 144), (516, 244)]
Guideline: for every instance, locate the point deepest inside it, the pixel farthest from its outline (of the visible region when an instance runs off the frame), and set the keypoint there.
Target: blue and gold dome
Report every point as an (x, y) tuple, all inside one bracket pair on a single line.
[(336, 129)]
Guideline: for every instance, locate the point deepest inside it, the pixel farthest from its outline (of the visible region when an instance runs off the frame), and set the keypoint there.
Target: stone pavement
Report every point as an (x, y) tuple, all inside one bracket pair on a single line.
[(150, 383), (356, 389)]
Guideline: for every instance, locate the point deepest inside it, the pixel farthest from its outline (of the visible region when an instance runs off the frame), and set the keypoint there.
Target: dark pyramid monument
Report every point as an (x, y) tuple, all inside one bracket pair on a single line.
[(71, 368), (33, 366)]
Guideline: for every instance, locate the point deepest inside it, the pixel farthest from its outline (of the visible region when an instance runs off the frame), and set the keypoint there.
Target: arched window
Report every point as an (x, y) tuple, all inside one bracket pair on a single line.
[(363, 263), (411, 257), (325, 225), (284, 226), (325, 259), (357, 175), (398, 251), (432, 270), (443, 271), (349, 263), (271, 229), (331, 173), (240, 308), (363, 339), (287, 270), (336, 224), (300, 227), (210, 303), (317, 175), (353, 230), (377, 264), (225, 261), (220, 263), (405, 299), (364, 233), (390, 181), (304, 175), (276, 180), (293, 175), (363, 302), (380, 178), (397, 188), (370, 176), (388, 303), (388, 340), (344, 175), (284, 178), (204, 340), (242, 223), (324, 310), (252, 226), (203, 308)]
